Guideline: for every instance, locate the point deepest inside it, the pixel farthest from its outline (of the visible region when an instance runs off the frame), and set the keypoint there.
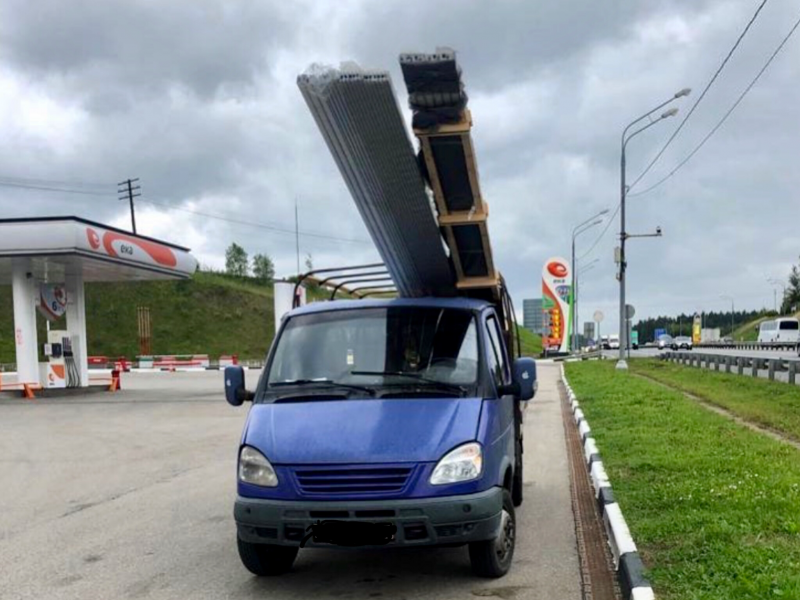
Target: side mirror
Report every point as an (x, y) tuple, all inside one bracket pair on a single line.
[(524, 377), (235, 392)]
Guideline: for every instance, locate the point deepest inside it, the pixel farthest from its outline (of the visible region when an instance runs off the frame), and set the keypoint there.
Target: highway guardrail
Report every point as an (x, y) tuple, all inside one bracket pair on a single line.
[(750, 345), (742, 365)]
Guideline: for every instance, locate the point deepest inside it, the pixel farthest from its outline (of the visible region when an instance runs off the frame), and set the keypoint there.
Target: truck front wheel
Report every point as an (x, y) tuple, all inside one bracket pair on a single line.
[(266, 559), (492, 558)]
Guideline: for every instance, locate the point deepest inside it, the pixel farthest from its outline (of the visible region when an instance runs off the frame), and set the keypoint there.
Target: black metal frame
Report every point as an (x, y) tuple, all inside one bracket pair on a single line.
[(337, 273), (338, 286)]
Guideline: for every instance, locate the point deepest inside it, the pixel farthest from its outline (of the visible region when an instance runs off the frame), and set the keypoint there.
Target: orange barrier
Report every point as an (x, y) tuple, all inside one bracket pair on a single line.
[(27, 389)]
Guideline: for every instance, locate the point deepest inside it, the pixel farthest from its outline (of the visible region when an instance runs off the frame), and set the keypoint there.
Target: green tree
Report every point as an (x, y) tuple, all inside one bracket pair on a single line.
[(236, 262), (263, 268), (791, 300)]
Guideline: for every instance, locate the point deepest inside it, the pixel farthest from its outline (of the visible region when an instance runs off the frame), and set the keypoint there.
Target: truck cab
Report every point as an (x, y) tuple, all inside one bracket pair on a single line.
[(383, 423)]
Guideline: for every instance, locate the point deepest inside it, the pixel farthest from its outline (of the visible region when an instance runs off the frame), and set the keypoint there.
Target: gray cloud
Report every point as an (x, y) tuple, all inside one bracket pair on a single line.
[(198, 99)]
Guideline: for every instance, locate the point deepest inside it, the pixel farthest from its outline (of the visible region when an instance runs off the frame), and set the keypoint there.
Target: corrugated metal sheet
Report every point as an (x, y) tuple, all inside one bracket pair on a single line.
[(359, 118)]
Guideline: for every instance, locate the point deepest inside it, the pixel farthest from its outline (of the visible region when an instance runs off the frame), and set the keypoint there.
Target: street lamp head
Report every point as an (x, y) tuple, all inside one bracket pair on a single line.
[(603, 212), (683, 92), (670, 113)]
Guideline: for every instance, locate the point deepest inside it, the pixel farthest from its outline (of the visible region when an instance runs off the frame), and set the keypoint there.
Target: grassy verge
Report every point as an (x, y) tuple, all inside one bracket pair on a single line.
[(714, 507), (530, 343), (771, 403)]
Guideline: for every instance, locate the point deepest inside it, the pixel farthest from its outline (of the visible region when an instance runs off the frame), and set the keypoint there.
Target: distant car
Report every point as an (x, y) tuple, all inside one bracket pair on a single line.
[(613, 342), (727, 341), (664, 341), (682, 342)]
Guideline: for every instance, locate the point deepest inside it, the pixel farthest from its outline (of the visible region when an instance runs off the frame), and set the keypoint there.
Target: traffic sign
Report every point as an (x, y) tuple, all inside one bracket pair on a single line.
[(629, 311), (598, 316)]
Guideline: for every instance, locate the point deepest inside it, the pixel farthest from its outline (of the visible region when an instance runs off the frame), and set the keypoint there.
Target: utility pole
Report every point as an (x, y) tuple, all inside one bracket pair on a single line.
[(297, 235), (127, 189), (624, 235)]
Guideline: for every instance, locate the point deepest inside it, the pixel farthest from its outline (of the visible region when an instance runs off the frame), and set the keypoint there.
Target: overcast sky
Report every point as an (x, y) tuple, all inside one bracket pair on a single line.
[(198, 99)]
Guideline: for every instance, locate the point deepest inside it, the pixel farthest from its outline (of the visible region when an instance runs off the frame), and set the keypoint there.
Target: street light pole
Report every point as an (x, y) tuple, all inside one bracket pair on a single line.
[(579, 229), (726, 297), (623, 236), (587, 267), (775, 283)]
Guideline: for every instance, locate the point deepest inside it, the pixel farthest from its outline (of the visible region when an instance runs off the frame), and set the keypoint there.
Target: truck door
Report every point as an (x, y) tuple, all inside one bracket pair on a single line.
[(509, 417)]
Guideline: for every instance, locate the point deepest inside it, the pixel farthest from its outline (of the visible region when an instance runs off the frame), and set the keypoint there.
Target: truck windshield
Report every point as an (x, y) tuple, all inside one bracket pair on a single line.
[(377, 347)]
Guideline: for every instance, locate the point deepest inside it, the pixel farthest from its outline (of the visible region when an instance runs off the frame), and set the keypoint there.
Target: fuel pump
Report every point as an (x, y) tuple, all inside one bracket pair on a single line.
[(61, 368)]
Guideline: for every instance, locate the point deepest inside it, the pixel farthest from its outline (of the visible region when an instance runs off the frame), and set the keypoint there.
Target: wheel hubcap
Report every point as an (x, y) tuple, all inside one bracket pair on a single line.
[(505, 539)]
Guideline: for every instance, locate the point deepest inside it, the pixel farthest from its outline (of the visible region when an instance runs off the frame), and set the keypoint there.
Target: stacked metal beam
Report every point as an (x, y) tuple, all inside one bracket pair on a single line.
[(358, 115), (443, 126)]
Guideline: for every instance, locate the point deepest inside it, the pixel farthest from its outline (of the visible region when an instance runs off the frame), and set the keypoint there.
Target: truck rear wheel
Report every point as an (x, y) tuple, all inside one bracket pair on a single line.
[(266, 559), (492, 558)]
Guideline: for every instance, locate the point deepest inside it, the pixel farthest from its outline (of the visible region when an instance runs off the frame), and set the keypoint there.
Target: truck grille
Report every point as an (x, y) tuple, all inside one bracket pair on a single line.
[(359, 479)]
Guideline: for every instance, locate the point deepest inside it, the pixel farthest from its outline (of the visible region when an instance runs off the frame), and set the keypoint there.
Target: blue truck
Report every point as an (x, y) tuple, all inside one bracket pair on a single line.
[(383, 423)]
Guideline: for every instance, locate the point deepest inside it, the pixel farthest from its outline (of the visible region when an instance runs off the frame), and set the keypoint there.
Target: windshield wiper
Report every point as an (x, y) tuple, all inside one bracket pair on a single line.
[(415, 376), (322, 382)]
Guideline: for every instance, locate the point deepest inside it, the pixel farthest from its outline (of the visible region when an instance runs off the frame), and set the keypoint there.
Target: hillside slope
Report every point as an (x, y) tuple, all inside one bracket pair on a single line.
[(530, 343), (748, 332), (210, 313)]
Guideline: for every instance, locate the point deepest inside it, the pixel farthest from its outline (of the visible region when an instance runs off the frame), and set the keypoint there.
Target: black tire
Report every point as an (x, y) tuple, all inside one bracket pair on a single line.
[(516, 486), (492, 558), (266, 559)]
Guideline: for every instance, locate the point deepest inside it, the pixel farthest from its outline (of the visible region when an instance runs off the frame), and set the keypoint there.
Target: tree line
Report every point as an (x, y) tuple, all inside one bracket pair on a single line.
[(262, 268), (682, 324)]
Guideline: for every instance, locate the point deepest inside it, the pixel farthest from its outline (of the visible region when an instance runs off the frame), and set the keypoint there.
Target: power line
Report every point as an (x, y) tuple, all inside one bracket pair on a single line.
[(702, 95), (726, 115), (602, 233), (54, 189), (256, 224), (55, 182), (110, 193)]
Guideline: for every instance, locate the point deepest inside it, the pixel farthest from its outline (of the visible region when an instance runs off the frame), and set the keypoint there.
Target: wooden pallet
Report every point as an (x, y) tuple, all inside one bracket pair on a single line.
[(450, 161)]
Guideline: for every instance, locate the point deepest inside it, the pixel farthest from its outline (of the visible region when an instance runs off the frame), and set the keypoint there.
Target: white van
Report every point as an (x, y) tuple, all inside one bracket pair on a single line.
[(784, 330), (613, 342), (788, 330)]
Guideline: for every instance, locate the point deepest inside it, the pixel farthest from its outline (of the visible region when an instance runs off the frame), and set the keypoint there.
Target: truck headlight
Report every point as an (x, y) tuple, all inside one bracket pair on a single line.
[(462, 464), (255, 468)]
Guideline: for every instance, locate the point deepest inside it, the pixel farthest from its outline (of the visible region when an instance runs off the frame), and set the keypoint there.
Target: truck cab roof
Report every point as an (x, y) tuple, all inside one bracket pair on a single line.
[(429, 302)]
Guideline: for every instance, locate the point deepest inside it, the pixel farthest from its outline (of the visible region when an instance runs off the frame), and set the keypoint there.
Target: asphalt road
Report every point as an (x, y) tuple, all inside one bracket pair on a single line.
[(130, 496)]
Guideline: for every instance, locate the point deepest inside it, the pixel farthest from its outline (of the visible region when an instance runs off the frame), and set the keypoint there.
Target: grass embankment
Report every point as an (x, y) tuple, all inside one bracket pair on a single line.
[(713, 506), (210, 313), (773, 404), (530, 343)]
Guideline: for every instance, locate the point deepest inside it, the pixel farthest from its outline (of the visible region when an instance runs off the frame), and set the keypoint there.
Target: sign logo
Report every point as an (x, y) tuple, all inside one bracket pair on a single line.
[(94, 239), (52, 301), (557, 269), (120, 245)]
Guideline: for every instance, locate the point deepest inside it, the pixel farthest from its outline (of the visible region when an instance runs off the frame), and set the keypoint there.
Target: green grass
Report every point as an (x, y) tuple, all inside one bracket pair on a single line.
[(531, 344), (749, 331), (210, 313), (773, 404), (714, 507)]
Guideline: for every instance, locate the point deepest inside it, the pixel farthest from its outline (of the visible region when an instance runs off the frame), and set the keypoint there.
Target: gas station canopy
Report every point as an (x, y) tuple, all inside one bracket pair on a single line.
[(40, 253), (60, 245)]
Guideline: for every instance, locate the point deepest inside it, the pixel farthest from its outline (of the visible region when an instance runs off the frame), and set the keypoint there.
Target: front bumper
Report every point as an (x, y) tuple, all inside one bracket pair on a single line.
[(419, 522)]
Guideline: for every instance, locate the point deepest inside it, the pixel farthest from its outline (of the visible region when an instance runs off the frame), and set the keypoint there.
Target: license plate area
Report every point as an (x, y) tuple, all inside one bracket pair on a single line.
[(351, 533)]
